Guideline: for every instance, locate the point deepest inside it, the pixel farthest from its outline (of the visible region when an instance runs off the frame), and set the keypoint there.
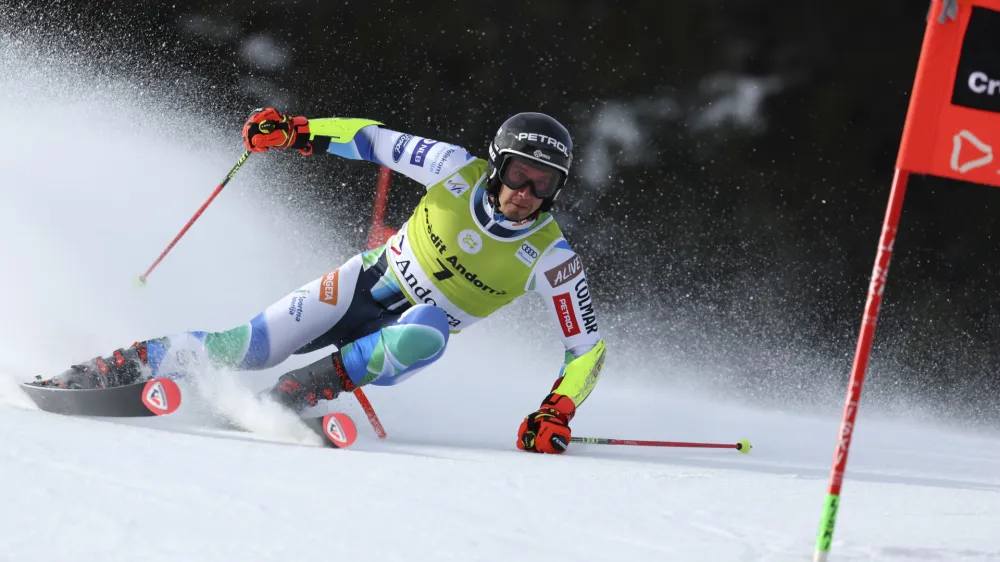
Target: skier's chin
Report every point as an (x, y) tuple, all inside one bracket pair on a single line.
[(516, 213)]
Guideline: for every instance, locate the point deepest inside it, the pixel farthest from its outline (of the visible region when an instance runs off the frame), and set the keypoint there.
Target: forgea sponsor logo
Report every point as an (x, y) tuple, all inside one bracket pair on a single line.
[(400, 146), (980, 83), (544, 139), (420, 152), (328, 286)]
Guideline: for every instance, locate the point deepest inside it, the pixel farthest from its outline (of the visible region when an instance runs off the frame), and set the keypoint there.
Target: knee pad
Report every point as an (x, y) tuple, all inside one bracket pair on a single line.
[(414, 341), (426, 315)]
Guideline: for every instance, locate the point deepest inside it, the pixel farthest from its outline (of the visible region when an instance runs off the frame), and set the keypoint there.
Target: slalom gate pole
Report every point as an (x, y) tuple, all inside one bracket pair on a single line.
[(236, 168), (742, 445), (376, 232), (880, 274), (376, 239), (369, 412)]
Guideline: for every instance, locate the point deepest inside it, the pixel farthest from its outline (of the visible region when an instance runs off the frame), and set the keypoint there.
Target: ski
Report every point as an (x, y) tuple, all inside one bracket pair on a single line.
[(146, 398), (160, 397), (337, 429)]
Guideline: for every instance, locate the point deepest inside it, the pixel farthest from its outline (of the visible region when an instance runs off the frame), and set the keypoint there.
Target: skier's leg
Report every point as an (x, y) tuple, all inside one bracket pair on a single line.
[(339, 303), (360, 295), (271, 336), (395, 353), (387, 356)]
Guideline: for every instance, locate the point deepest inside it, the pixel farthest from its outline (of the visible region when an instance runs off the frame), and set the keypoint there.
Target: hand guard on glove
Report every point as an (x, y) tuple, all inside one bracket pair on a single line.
[(547, 430), (266, 128)]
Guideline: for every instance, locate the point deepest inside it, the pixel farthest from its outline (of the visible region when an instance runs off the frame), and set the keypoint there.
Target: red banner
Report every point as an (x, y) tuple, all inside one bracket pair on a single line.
[(953, 124)]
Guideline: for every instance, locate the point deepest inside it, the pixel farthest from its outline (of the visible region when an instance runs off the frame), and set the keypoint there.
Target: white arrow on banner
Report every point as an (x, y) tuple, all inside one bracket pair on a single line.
[(956, 152)]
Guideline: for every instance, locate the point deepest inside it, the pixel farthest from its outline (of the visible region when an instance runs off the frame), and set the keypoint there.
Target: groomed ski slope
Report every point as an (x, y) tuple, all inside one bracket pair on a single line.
[(80, 222), (78, 489)]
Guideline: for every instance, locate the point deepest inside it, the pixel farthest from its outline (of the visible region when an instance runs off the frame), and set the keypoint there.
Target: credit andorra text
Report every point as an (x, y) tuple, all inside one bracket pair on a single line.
[(452, 259), (426, 295), (981, 83), (469, 276)]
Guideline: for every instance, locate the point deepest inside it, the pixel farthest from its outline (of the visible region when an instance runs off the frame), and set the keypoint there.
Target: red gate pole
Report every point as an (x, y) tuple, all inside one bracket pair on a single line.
[(375, 239), (376, 232), (880, 275)]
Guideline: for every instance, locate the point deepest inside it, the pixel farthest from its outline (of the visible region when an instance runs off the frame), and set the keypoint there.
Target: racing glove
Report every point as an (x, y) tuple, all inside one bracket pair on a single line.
[(266, 128), (547, 430)]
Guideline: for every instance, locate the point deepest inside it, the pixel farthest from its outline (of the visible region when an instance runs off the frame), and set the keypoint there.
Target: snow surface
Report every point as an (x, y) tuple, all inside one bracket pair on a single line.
[(84, 211)]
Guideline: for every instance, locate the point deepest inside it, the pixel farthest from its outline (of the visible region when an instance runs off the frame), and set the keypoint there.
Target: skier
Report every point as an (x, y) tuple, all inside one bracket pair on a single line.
[(480, 237)]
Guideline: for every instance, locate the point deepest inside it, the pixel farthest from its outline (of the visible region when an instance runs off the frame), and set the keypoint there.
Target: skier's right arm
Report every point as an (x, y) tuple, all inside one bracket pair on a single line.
[(424, 160)]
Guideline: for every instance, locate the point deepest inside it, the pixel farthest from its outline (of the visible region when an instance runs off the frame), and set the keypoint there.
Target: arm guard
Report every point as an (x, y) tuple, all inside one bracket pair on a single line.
[(341, 137), (424, 160), (580, 374)]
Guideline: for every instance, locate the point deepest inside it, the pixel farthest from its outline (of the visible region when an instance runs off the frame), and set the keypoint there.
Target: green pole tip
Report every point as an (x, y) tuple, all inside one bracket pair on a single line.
[(139, 281), (744, 446)]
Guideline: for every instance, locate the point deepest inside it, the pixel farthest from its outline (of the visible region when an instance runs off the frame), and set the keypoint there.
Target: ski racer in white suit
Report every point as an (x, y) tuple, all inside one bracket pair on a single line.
[(480, 237)]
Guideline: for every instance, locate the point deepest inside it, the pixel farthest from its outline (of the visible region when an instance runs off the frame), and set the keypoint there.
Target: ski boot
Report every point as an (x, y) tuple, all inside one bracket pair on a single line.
[(305, 387), (124, 366)]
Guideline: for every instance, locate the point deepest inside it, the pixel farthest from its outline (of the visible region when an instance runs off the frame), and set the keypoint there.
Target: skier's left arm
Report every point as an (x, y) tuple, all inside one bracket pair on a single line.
[(421, 159), (560, 279)]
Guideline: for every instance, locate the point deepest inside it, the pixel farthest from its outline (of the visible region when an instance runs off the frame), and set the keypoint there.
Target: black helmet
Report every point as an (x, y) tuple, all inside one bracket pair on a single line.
[(533, 137)]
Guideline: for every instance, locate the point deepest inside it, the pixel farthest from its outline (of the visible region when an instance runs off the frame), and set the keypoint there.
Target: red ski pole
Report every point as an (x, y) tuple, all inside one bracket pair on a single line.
[(376, 237), (236, 168), (743, 445)]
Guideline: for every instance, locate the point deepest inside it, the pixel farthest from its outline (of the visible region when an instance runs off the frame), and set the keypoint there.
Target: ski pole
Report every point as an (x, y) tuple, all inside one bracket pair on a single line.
[(743, 445), (236, 168)]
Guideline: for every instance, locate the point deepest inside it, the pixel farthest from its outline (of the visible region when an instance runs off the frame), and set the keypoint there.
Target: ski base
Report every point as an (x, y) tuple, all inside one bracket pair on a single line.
[(121, 401), (141, 399)]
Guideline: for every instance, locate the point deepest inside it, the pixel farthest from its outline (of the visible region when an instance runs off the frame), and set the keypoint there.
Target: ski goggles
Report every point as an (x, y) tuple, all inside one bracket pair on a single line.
[(519, 171)]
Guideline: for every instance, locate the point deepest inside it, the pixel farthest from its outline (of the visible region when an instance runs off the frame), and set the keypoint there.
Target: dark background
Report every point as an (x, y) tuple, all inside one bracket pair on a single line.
[(733, 159)]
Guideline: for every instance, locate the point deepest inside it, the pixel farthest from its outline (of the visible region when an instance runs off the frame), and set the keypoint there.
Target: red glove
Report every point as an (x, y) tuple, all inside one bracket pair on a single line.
[(547, 430), (266, 128)]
